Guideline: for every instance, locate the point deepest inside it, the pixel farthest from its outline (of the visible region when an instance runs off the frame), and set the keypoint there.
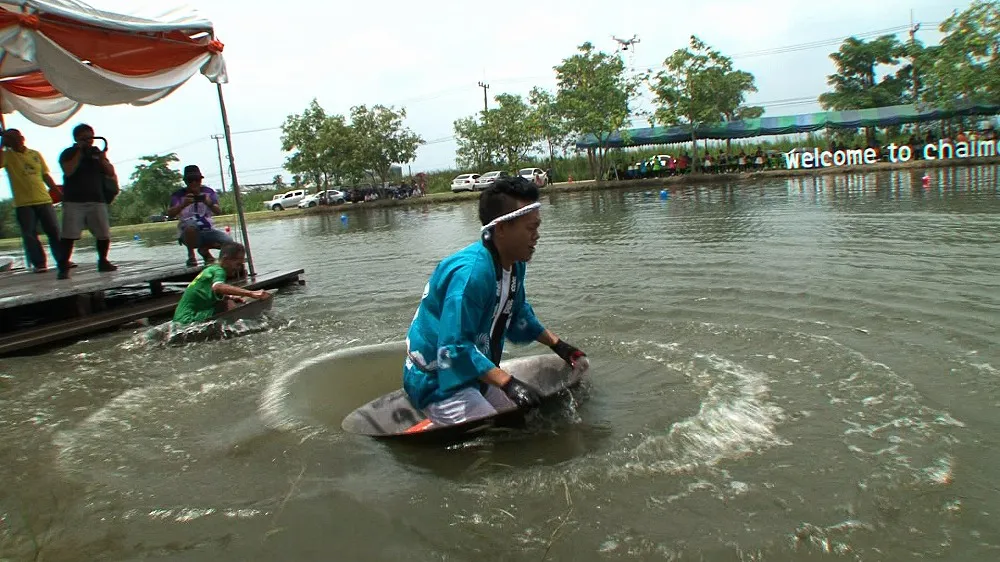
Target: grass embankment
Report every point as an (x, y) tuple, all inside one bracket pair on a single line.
[(164, 228), (128, 231)]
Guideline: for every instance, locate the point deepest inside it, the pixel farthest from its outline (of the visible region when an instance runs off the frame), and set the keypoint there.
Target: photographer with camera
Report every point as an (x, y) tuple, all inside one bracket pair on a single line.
[(195, 205), (85, 203)]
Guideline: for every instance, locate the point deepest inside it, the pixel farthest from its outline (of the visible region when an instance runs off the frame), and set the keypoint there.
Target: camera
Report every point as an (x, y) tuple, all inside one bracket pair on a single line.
[(200, 197)]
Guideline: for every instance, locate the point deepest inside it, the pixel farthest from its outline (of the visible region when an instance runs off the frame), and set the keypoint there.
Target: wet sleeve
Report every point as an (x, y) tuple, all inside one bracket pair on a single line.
[(459, 360), (524, 326), (217, 275)]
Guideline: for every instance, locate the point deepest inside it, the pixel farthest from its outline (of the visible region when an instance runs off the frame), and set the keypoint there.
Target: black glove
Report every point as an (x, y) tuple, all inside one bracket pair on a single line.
[(568, 352), (521, 394)]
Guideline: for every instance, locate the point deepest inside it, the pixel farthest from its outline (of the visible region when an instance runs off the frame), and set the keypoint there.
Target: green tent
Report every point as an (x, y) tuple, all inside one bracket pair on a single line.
[(791, 124)]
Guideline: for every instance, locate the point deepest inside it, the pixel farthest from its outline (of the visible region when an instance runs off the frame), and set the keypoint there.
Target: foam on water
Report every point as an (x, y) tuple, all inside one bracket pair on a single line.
[(170, 334), (736, 418), (743, 436), (168, 426)]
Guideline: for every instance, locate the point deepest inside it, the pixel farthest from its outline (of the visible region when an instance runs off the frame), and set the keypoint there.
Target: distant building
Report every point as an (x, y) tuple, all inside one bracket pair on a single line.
[(257, 186)]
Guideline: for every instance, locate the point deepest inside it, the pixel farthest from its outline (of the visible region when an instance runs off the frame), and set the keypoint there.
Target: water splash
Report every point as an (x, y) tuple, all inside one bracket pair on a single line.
[(175, 335)]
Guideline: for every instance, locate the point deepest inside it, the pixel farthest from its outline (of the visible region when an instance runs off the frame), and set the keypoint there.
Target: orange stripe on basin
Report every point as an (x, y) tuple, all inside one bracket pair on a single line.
[(420, 426)]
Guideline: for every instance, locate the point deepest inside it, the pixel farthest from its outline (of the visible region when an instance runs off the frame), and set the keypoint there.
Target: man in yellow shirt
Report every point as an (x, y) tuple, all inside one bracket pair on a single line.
[(29, 176)]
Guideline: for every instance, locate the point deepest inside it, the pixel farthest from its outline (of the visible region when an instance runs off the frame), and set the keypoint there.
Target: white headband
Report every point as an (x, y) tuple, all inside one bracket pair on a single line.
[(511, 215)]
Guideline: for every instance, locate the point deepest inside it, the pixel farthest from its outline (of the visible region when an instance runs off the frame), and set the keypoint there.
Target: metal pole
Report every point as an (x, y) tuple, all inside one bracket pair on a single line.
[(236, 183), (222, 173)]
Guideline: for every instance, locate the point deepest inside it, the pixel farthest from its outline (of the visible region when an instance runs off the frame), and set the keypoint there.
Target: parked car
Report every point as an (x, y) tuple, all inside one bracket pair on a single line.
[(529, 174), (488, 178), (287, 200), (328, 197), (464, 182)]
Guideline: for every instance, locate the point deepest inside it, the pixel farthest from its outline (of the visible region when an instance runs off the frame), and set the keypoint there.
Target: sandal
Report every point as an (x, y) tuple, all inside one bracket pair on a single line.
[(192, 263)]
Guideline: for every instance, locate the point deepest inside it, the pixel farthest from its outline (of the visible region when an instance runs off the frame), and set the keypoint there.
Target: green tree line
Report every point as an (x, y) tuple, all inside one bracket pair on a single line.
[(596, 94), (698, 85), (329, 150)]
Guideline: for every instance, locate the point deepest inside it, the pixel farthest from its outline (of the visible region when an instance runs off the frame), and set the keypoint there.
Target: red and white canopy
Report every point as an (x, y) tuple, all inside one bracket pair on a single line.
[(57, 55)]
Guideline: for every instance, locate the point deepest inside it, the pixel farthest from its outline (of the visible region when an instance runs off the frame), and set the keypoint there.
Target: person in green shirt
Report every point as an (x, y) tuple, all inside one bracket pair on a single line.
[(208, 293)]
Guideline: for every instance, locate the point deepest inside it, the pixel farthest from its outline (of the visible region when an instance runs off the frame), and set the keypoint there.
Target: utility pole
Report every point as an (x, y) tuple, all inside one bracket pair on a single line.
[(913, 65), (222, 174), (485, 87)]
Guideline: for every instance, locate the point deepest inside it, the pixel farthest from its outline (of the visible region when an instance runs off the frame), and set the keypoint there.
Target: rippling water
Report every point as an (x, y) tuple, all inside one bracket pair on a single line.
[(797, 369)]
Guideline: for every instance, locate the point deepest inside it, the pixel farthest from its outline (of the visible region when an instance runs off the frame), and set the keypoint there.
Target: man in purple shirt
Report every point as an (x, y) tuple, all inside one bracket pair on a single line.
[(194, 207)]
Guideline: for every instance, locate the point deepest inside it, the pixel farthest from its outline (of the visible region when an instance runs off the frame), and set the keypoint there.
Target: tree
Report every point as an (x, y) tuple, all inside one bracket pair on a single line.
[(698, 85), (594, 95), (153, 181), (731, 88), (341, 143), (856, 84), (549, 121), (8, 220), (512, 128), (323, 145), (965, 67), (381, 140), (475, 149), (506, 134), (278, 181)]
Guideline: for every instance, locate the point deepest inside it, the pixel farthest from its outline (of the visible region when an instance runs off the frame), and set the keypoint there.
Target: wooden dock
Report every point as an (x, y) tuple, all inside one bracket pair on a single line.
[(36, 309)]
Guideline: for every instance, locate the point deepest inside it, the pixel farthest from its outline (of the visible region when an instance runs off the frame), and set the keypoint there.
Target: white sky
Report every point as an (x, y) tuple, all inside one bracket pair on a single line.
[(429, 55)]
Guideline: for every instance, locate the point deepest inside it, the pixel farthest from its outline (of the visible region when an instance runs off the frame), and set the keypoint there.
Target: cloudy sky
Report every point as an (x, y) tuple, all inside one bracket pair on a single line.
[(428, 57)]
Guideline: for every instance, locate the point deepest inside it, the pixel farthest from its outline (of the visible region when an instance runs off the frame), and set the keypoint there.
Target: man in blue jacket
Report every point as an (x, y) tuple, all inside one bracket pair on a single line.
[(473, 301)]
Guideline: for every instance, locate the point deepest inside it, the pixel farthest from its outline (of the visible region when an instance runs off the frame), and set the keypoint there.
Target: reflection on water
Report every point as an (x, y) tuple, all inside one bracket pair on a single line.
[(782, 369)]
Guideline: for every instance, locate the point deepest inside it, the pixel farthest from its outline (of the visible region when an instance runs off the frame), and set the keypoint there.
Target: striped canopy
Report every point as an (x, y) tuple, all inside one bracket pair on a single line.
[(790, 124), (57, 55)]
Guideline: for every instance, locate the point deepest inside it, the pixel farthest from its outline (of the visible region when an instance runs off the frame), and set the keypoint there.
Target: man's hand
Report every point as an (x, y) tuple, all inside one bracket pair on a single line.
[(521, 394), (261, 295), (568, 352)]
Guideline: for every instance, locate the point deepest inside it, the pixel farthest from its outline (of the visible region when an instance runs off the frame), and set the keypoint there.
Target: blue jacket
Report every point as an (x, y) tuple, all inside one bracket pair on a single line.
[(454, 338)]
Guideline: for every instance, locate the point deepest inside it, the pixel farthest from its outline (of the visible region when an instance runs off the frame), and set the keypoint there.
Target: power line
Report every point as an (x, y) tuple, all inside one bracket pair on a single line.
[(820, 43), (812, 44), (749, 54)]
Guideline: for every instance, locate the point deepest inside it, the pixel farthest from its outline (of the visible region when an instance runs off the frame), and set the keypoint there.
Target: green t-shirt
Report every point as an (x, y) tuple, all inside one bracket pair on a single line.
[(198, 302)]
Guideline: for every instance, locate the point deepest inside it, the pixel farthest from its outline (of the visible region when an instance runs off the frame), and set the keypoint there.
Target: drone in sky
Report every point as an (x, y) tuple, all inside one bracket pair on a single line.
[(624, 44)]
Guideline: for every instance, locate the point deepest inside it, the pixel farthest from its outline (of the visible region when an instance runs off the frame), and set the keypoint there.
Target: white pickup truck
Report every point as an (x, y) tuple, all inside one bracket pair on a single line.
[(287, 200)]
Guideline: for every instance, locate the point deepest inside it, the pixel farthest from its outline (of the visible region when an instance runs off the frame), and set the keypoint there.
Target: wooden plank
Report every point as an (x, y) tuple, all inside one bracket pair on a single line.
[(94, 321), (271, 280), (49, 333), (23, 288)]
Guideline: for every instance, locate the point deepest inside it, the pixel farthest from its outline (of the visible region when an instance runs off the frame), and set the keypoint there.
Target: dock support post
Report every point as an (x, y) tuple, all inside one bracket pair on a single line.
[(236, 183)]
